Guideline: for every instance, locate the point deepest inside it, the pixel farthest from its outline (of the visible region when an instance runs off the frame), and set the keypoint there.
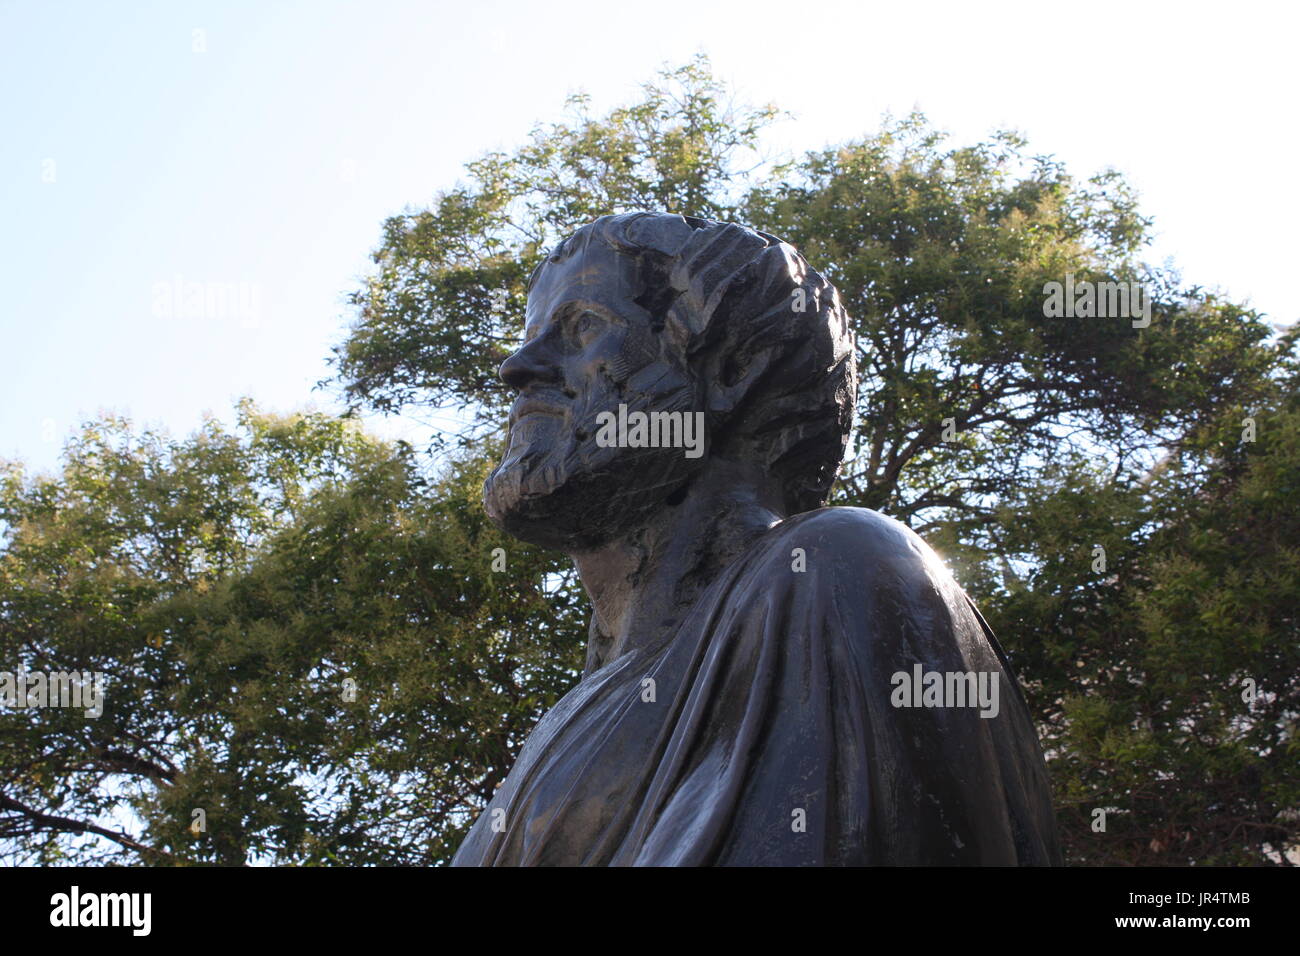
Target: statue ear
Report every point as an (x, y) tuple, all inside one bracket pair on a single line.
[(731, 378)]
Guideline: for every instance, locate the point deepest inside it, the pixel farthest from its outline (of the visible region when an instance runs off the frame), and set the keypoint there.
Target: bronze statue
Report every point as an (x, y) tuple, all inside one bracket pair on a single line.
[(768, 681)]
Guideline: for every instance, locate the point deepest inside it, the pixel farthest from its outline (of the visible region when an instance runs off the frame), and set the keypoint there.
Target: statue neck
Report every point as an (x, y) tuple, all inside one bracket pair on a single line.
[(643, 583)]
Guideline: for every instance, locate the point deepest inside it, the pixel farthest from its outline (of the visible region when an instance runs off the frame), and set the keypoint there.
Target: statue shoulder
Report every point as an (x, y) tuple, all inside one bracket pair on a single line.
[(859, 538), (878, 572), (886, 580)]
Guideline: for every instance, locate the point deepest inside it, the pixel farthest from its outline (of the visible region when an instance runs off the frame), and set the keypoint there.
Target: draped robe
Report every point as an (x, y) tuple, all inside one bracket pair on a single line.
[(764, 730)]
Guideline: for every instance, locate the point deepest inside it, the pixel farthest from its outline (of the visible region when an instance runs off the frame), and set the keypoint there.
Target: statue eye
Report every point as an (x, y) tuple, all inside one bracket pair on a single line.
[(585, 324)]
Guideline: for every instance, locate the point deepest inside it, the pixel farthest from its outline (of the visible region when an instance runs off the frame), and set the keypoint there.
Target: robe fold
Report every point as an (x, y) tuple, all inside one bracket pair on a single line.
[(768, 729)]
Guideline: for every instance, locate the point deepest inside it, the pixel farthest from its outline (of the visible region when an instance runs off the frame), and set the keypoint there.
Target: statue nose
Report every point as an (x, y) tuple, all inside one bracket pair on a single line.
[(530, 364)]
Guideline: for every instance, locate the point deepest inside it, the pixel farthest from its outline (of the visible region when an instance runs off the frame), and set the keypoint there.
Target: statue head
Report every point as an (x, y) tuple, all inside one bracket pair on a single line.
[(687, 322)]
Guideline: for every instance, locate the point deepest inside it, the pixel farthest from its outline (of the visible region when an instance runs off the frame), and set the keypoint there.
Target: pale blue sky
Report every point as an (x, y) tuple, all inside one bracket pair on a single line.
[(270, 159)]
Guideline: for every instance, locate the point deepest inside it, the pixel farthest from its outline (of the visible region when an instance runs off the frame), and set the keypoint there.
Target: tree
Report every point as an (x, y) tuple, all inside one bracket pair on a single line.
[(308, 654), (1173, 669)]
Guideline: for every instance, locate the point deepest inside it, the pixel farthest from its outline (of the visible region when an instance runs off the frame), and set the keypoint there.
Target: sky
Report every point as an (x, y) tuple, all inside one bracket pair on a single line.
[(256, 148)]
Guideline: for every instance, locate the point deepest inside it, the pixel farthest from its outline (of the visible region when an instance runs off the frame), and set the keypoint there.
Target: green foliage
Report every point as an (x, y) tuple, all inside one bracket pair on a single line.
[(941, 256), (227, 585), (1166, 681)]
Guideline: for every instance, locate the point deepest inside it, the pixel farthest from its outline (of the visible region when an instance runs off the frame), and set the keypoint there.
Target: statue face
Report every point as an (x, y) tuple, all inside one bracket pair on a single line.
[(588, 349)]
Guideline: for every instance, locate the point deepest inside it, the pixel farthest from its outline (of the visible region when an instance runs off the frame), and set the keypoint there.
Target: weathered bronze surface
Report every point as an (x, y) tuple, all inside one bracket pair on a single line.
[(768, 681)]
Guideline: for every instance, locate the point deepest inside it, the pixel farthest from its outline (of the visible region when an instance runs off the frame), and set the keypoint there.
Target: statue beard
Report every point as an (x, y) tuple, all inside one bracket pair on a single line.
[(556, 487)]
